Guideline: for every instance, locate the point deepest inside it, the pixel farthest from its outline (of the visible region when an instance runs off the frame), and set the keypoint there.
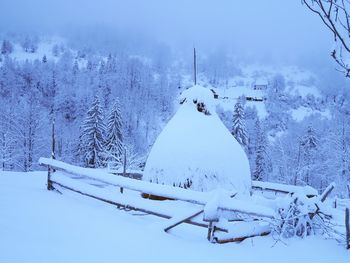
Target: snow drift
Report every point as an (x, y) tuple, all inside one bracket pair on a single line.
[(195, 150)]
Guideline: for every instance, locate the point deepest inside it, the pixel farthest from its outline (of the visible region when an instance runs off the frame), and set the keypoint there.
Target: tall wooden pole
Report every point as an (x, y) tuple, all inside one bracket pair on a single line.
[(50, 170), (53, 144), (194, 66), (124, 169), (347, 227)]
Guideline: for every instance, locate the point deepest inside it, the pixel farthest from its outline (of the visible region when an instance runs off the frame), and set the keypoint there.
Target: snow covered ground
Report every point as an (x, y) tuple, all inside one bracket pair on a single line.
[(41, 226)]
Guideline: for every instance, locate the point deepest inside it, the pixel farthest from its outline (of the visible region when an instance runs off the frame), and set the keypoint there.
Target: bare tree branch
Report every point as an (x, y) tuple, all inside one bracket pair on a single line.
[(335, 15)]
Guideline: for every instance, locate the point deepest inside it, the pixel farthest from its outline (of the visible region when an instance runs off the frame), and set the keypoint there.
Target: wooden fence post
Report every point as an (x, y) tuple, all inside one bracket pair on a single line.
[(347, 226), (49, 182), (211, 228), (327, 191), (124, 169)]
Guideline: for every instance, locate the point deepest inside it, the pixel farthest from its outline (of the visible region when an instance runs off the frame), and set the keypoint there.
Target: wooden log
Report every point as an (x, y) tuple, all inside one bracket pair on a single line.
[(347, 227), (240, 239), (326, 192), (283, 188), (133, 207), (180, 221), (155, 197)]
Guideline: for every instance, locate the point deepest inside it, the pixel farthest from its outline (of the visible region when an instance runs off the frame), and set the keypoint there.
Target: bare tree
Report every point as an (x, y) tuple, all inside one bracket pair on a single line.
[(335, 14)]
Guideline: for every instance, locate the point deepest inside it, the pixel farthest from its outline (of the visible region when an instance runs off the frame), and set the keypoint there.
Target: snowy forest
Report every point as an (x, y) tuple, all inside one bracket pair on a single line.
[(298, 134)]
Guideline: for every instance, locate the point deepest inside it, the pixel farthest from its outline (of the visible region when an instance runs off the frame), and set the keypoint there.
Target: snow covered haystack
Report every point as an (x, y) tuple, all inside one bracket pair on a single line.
[(195, 150)]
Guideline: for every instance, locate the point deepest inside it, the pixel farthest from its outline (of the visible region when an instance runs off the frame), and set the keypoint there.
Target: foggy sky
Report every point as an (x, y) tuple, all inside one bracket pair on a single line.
[(281, 29)]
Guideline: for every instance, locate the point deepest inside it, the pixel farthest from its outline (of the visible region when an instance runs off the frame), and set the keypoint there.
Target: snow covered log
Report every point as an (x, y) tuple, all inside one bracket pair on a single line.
[(195, 150), (327, 191), (284, 188), (243, 230), (176, 193)]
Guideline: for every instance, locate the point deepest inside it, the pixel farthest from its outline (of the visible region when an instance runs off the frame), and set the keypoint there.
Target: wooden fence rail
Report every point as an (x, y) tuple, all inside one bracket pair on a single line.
[(199, 199), (176, 193)]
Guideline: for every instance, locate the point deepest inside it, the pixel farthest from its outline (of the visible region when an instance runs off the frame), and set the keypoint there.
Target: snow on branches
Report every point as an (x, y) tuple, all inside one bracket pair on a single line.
[(92, 138), (114, 137)]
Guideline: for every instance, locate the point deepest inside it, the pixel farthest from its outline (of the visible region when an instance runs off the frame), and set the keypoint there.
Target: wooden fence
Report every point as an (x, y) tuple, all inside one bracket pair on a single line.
[(73, 178), (65, 176)]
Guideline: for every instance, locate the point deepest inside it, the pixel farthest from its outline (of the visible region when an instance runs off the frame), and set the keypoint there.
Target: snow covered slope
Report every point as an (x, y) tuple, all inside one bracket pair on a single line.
[(37, 226), (196, 147)]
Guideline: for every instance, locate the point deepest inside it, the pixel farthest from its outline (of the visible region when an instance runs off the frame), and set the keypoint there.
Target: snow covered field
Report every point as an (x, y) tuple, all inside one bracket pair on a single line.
[(41, 226)]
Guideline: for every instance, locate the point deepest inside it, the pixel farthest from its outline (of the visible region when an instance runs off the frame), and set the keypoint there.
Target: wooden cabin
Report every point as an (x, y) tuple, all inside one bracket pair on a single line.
[(260, 84)]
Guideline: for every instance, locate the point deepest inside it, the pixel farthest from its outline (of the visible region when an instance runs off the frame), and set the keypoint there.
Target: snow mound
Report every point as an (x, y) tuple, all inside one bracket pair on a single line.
[(196, 150), (198, 94)]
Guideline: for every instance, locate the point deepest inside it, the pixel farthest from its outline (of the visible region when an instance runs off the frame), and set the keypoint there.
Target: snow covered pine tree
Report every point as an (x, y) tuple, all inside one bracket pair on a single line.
[(92, 137), (260, 171), (6, 47), (114, 138), (238, 127), (308, 144)]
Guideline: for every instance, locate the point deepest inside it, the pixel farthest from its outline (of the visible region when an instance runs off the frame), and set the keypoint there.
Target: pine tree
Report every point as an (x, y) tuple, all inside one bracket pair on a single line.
[(308, 144), (261, 160), (238, 127), (6, 47), (114, 138), (56, 50), (92, 138)]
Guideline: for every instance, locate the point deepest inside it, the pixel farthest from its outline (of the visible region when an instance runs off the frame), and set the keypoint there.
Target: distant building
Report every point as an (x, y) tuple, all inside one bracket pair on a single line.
[(260, 84)]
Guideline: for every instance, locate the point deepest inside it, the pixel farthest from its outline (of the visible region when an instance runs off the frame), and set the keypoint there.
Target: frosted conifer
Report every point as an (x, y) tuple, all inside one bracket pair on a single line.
[(92, 138), (260, 171), (238, 127), (114, 138)]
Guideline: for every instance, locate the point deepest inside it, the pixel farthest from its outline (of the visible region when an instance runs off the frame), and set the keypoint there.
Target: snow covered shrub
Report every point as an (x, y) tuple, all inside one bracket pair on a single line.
[(295, 219)]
